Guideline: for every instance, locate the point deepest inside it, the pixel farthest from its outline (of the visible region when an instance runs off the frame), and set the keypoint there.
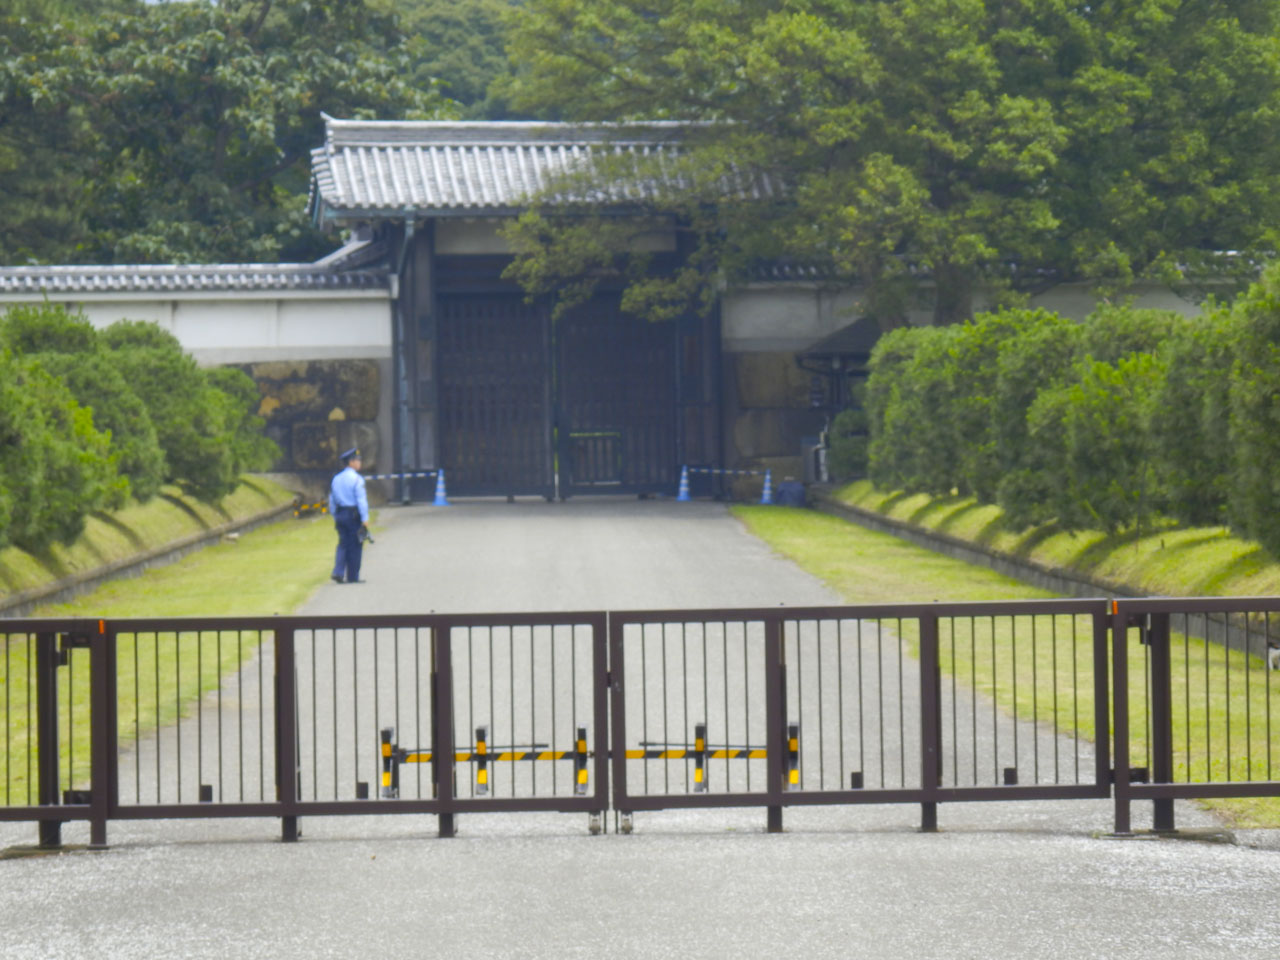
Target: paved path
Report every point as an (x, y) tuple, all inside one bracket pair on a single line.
[(1007, 880)]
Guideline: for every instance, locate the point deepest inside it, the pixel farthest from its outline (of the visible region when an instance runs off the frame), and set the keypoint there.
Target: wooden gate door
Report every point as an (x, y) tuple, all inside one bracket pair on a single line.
[(494, 395), (616, 410)]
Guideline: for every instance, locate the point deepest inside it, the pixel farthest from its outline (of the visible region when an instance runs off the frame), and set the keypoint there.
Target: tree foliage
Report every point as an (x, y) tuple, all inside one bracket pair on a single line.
[(1129, 419), (180, 132), (461, 44), (88, 418), (979, 145), (55, 468)]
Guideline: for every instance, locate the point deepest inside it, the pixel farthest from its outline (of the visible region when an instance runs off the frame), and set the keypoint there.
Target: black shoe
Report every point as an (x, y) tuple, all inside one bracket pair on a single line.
[(337, 579)]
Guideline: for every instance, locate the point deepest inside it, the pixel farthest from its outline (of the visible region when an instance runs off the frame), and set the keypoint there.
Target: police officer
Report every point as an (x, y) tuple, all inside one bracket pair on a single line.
[(350, 508)]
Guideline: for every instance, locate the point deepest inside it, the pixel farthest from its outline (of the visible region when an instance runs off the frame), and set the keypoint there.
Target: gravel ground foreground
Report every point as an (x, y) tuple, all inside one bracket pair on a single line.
[(999, 880)]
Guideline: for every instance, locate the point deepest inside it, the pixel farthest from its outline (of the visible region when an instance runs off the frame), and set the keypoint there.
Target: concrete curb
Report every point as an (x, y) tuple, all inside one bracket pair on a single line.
[(1061, 580), (21, 604)]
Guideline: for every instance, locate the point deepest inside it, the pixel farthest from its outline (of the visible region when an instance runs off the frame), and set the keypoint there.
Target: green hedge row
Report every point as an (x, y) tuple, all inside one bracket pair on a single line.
[(90, 418), (1129, 418)]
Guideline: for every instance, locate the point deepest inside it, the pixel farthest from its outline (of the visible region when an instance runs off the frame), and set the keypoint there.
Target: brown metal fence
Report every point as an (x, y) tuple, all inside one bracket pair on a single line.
[(635, 711)]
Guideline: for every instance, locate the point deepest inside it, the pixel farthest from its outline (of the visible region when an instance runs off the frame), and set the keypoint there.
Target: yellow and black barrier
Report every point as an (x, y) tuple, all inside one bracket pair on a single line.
[(700, 752), (482, 754), (307, 509)]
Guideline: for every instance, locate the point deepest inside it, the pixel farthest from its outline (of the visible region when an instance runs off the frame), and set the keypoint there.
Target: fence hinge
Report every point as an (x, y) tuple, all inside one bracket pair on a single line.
[(71, 641)]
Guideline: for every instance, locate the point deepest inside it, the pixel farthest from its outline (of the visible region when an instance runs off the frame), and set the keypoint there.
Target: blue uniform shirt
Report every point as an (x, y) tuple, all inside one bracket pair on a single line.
[(347, 490)]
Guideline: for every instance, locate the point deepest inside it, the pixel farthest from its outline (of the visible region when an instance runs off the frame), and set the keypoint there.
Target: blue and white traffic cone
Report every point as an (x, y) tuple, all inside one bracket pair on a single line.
[(441, 500), (682, 496), (766, 495)]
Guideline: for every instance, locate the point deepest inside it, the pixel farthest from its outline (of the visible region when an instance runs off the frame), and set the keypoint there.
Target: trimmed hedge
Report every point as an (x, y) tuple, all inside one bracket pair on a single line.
[(89, 418), (1128, 419)]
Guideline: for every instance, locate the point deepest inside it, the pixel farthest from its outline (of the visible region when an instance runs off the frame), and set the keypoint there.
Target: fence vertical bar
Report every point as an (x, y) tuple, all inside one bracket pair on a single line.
[(47, 734), (287, 772), (615, 671), (775, 719), (105, 732), (930, 723), (1120, 718), (1161, 717), (600, 642), (1101, 695), (442, 746)]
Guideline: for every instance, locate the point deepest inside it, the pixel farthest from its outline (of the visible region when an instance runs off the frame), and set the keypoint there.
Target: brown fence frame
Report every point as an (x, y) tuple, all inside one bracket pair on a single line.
[(1111, 623)]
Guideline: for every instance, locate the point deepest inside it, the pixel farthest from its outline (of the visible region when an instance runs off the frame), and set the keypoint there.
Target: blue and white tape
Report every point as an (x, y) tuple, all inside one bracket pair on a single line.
[(401, 476)]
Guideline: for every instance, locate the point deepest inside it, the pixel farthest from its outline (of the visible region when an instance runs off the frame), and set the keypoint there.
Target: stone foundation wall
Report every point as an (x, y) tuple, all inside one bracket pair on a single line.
[(315, 409), (767, 413)]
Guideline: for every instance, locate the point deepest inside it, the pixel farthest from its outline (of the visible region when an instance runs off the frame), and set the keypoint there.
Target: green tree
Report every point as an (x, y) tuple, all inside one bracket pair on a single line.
[(1190, 420), (977, 145), (462, 45), (181, 132), (68, 347), (201, 427), (1255, 413), (1107, 466), (55, 468)]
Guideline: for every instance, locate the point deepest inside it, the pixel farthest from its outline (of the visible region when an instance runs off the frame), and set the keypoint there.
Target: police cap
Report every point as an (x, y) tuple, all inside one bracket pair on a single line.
[(352, 454)]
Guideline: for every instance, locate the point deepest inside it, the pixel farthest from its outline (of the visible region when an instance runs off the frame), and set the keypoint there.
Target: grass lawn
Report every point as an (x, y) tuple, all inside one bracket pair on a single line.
[(1214, 689), (270, 570)]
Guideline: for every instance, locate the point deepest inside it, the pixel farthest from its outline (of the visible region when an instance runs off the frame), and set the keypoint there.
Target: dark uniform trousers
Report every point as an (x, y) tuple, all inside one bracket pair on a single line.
[(347, 561)]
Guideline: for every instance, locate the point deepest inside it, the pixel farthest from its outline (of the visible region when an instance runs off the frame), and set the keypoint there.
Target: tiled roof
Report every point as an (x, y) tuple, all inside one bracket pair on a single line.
[(376, 168), (186, 278)]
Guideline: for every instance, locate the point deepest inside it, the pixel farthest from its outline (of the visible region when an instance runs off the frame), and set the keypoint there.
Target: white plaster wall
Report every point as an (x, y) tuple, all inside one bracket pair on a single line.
[(238, 329), (786, 317)]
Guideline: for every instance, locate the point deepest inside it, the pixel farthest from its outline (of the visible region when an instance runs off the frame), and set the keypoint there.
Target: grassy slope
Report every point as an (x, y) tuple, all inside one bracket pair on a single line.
[(136, 529), (271, 570), (864, 566), (1199, 561)]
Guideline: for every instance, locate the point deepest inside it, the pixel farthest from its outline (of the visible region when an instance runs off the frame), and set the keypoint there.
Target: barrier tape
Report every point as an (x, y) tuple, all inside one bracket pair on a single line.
[(422, 474), (724, 471)]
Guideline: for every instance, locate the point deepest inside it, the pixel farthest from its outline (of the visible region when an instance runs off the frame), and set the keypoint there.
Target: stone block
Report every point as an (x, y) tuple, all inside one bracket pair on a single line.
[(770, 380)]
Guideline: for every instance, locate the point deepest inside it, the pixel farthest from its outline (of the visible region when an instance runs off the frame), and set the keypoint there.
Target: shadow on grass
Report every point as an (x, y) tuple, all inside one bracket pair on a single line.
[(1095, 553), (1245, 565), (127, 532), (886, 505), (187, 509), (948, 523), (1033, 538), (934, 505)]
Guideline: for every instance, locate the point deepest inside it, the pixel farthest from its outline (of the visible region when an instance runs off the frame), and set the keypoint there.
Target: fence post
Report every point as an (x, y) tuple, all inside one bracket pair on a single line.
[(1120, 717), (47, 734), (442, 743), (286, 734), (775, 719), (1161, 718), (930, 722), (104, 792)]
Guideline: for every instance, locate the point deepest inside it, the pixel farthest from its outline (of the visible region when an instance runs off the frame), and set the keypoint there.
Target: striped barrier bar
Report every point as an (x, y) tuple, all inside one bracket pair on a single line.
[(305, 508), (580, 764), (390, 769), (793, 756), (691, 752), (700, 758), (482, 754), (700, 752), (482, 761)]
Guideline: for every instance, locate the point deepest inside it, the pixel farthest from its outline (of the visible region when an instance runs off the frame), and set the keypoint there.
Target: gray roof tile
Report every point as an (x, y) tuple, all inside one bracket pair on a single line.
[(175, 278), (371, 168)]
